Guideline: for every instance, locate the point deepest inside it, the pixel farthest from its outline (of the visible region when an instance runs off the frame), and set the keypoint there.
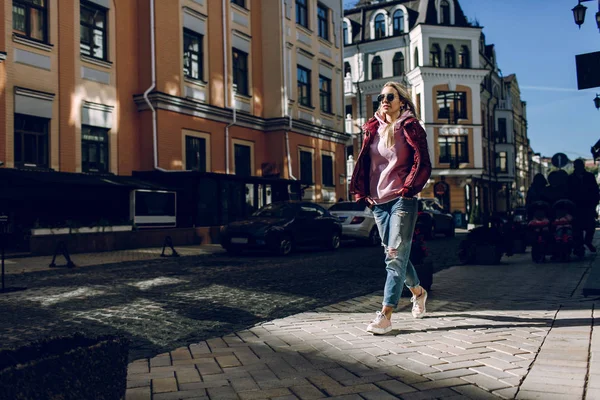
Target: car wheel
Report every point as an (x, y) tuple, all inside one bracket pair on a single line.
[(285, 246), (374, 238), (334, 241)]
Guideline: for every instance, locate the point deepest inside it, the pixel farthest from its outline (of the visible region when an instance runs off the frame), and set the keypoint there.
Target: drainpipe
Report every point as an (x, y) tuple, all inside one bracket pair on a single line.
[(286, 75), (225, 87), (152, 87)]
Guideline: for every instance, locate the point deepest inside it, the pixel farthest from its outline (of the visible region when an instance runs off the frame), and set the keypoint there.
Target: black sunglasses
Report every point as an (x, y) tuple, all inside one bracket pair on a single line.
[(390, 97)]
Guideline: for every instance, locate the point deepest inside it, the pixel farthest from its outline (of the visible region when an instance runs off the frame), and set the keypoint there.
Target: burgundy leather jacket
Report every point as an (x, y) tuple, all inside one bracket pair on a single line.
[(420, 172)]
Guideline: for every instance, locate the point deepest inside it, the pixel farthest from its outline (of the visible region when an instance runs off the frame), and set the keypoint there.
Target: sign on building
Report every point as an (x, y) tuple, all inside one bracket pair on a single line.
[(588, 70)]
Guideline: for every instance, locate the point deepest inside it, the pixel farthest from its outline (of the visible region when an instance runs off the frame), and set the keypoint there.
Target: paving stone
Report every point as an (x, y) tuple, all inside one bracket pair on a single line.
[(377, 395), (188, 375), (162, 385), (262, 394), (429, 394), (508, 393), (529, 395), (141, 393), (458, 365), (474, 392), (188, 394), (441, 383), (485, 382), (307, 392), (450, 374)]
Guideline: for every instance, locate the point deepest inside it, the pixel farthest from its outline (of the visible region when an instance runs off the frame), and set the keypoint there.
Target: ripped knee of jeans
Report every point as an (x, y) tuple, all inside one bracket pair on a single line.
[(392, 252)]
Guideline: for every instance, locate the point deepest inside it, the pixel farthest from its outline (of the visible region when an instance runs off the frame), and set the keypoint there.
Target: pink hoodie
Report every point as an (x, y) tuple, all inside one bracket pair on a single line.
[(390, 167)]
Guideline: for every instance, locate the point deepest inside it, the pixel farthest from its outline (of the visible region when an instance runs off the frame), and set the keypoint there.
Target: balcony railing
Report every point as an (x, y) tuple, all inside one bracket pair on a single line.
[(349, 86)]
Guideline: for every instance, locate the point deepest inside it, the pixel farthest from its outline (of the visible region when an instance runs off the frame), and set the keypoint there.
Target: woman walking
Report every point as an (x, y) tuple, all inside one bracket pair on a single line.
[(391, 169)]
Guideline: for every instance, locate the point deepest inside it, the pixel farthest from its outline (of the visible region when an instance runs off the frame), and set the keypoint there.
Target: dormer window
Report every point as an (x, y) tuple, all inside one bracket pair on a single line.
[(380, 26), (444, 12), (398, 20)]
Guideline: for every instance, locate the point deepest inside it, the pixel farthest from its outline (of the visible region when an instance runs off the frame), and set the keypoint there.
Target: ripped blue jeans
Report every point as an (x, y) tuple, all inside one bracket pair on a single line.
[(396, 222)]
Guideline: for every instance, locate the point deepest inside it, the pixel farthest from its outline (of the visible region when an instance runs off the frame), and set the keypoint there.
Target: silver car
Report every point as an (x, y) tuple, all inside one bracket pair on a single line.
[(357, 222)]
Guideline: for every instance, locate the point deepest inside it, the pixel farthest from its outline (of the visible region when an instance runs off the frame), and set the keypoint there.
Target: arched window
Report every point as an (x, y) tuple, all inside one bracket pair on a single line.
[(346, 33), (398, 64), (445, 12), (434, 55), (416, 57), (450, 57), (347, 69), (376, 68), (464, 57), (380, 26), (398, 22)]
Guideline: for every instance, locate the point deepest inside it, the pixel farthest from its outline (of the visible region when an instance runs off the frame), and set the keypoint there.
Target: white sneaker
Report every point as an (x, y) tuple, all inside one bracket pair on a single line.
[(380, 325), (418, 309)]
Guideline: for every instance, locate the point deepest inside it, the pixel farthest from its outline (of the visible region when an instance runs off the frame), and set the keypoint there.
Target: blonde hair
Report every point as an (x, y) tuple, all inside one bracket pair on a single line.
[(387, 135)]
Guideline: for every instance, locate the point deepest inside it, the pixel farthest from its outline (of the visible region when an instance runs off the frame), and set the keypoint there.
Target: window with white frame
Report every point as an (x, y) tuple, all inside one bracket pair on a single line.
[(444, 12), (195, 153), (380, 26), (398, 64), (325, 94), (464, 58), (240, 71), (242, 154), (304, 87), (398, 22), (346, 34), (434, 55), (30, 19), (450, 57), (302, 13), (376, 68)]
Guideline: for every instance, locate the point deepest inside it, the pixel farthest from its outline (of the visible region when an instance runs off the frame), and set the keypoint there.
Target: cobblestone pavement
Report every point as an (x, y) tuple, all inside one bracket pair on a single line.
[(515, 330), (163, 303)]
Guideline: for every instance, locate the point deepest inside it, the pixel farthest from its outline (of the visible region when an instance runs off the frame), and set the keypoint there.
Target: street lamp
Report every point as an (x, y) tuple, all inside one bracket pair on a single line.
[(597, 101), (579, 13)]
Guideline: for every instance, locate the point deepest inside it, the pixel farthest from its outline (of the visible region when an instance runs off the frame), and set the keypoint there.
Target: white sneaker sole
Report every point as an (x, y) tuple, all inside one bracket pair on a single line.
[(379, 331), (421, 315)]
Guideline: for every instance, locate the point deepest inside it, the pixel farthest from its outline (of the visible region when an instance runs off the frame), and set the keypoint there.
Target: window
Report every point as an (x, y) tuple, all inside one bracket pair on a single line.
[(93, 31), (380, 26), (327, 167), (398, 64), (347, 69), (445, 12), (450, 57), (31, 141), (240, 71), (418, 104), (30, 19), (306, 167), (241, 3), (323, 20), (452, 106), (346, 34), (193, 59), (398, 21), (464, 57), (243, 159), (434, 55), (376, 68), (348, 110), (304, 95), (94, 149), (325, 94), (501, 133), (501, 162), (302, 13), (453, 150), (416, 57), (195, 154)]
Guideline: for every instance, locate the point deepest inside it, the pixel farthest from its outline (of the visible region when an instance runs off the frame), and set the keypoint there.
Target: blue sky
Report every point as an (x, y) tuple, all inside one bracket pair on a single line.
[(537, 40)]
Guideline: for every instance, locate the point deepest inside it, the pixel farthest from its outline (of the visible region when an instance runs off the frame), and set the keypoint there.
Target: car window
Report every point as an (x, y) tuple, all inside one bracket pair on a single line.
[(307, 210), (347, 206), (275, 211)]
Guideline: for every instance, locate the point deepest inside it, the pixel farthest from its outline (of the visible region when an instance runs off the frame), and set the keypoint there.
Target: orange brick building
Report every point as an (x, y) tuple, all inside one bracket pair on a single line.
[(222, 86)]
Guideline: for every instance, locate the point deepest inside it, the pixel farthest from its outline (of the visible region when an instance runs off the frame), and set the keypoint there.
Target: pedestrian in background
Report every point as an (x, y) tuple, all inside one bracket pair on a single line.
[(391, 169), (585, 195), (537, 192)]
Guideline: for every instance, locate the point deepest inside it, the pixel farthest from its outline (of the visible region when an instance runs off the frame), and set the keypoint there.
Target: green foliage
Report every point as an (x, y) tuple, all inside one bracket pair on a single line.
[(475, 216)]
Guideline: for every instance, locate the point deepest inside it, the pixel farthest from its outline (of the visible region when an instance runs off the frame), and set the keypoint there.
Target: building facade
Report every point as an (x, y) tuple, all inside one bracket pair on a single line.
[(455, 83), (227, 86)]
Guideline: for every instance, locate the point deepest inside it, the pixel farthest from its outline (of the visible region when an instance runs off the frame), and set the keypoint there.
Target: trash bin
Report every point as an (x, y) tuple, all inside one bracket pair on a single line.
[(459, 219)]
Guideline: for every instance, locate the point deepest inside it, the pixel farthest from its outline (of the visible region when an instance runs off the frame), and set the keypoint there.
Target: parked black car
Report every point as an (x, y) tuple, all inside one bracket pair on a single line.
[(434, 219), (280, 227)]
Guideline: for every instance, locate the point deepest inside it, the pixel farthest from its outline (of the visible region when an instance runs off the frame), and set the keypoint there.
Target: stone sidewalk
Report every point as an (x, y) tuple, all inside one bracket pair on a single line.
[(516, 330)]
